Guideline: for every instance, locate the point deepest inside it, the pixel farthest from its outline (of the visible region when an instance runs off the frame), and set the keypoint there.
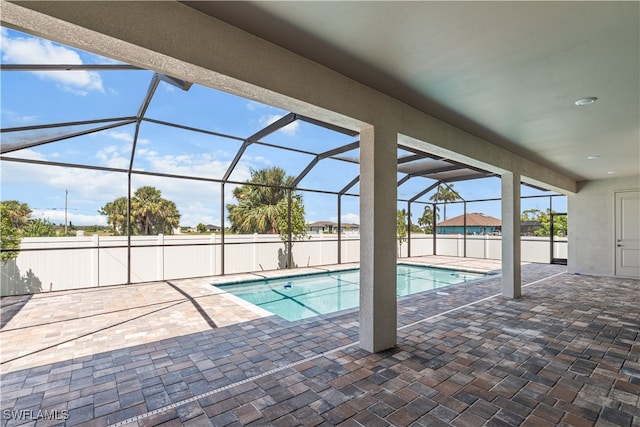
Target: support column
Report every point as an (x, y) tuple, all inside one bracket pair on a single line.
[(378, 193), (511, 274)]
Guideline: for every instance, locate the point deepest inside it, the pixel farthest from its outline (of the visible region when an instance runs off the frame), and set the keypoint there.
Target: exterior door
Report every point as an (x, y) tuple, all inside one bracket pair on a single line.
[(558, 247), (628, 233)]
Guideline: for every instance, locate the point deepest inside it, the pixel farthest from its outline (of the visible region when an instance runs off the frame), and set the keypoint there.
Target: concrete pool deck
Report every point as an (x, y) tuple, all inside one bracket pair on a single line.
[(180, 353)]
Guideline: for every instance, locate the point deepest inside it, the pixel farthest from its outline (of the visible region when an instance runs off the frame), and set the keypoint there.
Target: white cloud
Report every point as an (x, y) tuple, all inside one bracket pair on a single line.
[(30, 154), (98, 59), (146, 153), (26, 119), (210, 165), (291, 129), (254, 105), (121, 136), (126, 137), (119, 156), (251, 161), (15, 118), (46, 180), (31, 50), (111, 157)]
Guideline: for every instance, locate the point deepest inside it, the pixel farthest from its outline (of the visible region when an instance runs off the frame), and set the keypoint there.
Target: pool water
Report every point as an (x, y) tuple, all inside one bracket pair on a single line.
[(301, 297)]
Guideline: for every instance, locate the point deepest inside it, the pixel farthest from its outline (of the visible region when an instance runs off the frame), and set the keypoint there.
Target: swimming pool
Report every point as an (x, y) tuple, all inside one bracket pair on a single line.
[(301, 297)]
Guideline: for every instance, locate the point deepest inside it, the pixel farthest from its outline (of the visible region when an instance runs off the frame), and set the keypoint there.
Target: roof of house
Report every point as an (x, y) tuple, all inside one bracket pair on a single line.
[(322, 224), (530, 224), (329, 223), (473, 220)]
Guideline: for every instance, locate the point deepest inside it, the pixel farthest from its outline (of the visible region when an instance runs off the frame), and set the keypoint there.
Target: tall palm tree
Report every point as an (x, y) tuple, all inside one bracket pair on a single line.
[(150, 213), (445, 193), (146, 209), (256, 211), (428, 219)]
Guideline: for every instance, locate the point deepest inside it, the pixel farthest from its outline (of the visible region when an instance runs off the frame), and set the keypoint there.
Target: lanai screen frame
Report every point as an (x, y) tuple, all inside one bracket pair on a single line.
[(416, 165)]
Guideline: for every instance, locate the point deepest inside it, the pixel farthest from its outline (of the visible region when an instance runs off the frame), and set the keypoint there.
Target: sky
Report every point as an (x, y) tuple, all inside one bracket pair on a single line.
[(47, 97)]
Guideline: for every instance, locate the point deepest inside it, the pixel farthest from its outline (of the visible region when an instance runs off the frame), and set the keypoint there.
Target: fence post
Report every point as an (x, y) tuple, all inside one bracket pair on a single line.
[(344, 253), (255, 252), (212, 266), (486, 246), (95, 261), (409, 229), (160, 257)]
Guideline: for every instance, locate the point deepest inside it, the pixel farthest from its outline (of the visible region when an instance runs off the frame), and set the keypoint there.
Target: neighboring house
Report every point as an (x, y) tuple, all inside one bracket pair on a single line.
[(528, 228), (211, 227), (319, 227), (322, 227), (477, 223)]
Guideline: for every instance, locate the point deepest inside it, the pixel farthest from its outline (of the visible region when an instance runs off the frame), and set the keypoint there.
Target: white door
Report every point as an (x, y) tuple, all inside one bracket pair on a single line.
[(628, 233)]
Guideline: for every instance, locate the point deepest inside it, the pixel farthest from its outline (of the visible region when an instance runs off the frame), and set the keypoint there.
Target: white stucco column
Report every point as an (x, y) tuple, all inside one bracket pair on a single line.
[(378, 190), (511, 278)]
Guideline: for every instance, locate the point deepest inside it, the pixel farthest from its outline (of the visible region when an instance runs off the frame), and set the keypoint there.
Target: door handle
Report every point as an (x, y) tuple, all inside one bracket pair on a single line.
[(619, 245)]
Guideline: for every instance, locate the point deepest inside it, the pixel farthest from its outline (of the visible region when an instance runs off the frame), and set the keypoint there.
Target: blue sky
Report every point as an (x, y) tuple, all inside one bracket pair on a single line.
[(36, 98)]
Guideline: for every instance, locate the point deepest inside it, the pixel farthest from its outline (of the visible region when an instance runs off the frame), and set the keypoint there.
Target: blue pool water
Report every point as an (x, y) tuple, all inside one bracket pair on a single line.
[(300, 297)]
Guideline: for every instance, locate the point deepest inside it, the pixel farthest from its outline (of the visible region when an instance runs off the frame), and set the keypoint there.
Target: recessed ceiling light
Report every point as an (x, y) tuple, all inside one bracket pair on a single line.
[(611, 172), (593, 157), (586, 101)]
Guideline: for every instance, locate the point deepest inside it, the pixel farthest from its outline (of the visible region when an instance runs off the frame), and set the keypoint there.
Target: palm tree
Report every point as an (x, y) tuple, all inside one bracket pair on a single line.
[(257, 208), (116, 213), (445, 193), (427, 220), (150, 213), (146, 209), (169, 218), (153, 214)]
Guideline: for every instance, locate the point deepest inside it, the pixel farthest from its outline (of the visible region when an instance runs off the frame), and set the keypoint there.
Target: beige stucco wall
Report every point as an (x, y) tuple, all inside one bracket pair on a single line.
[(591, 225)]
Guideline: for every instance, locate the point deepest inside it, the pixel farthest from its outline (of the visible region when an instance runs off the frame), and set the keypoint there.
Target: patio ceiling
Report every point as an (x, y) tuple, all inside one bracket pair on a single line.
[(508, 72)]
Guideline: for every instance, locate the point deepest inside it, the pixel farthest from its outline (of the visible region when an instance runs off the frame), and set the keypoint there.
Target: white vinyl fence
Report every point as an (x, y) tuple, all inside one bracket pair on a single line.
[(533, 249), (60, 263)]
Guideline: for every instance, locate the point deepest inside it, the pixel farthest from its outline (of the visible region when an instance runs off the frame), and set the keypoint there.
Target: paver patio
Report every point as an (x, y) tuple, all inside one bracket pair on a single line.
[(182, 353)]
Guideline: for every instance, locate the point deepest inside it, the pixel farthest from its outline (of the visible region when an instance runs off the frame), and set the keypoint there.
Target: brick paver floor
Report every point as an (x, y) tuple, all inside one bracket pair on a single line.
[(181, 353)]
